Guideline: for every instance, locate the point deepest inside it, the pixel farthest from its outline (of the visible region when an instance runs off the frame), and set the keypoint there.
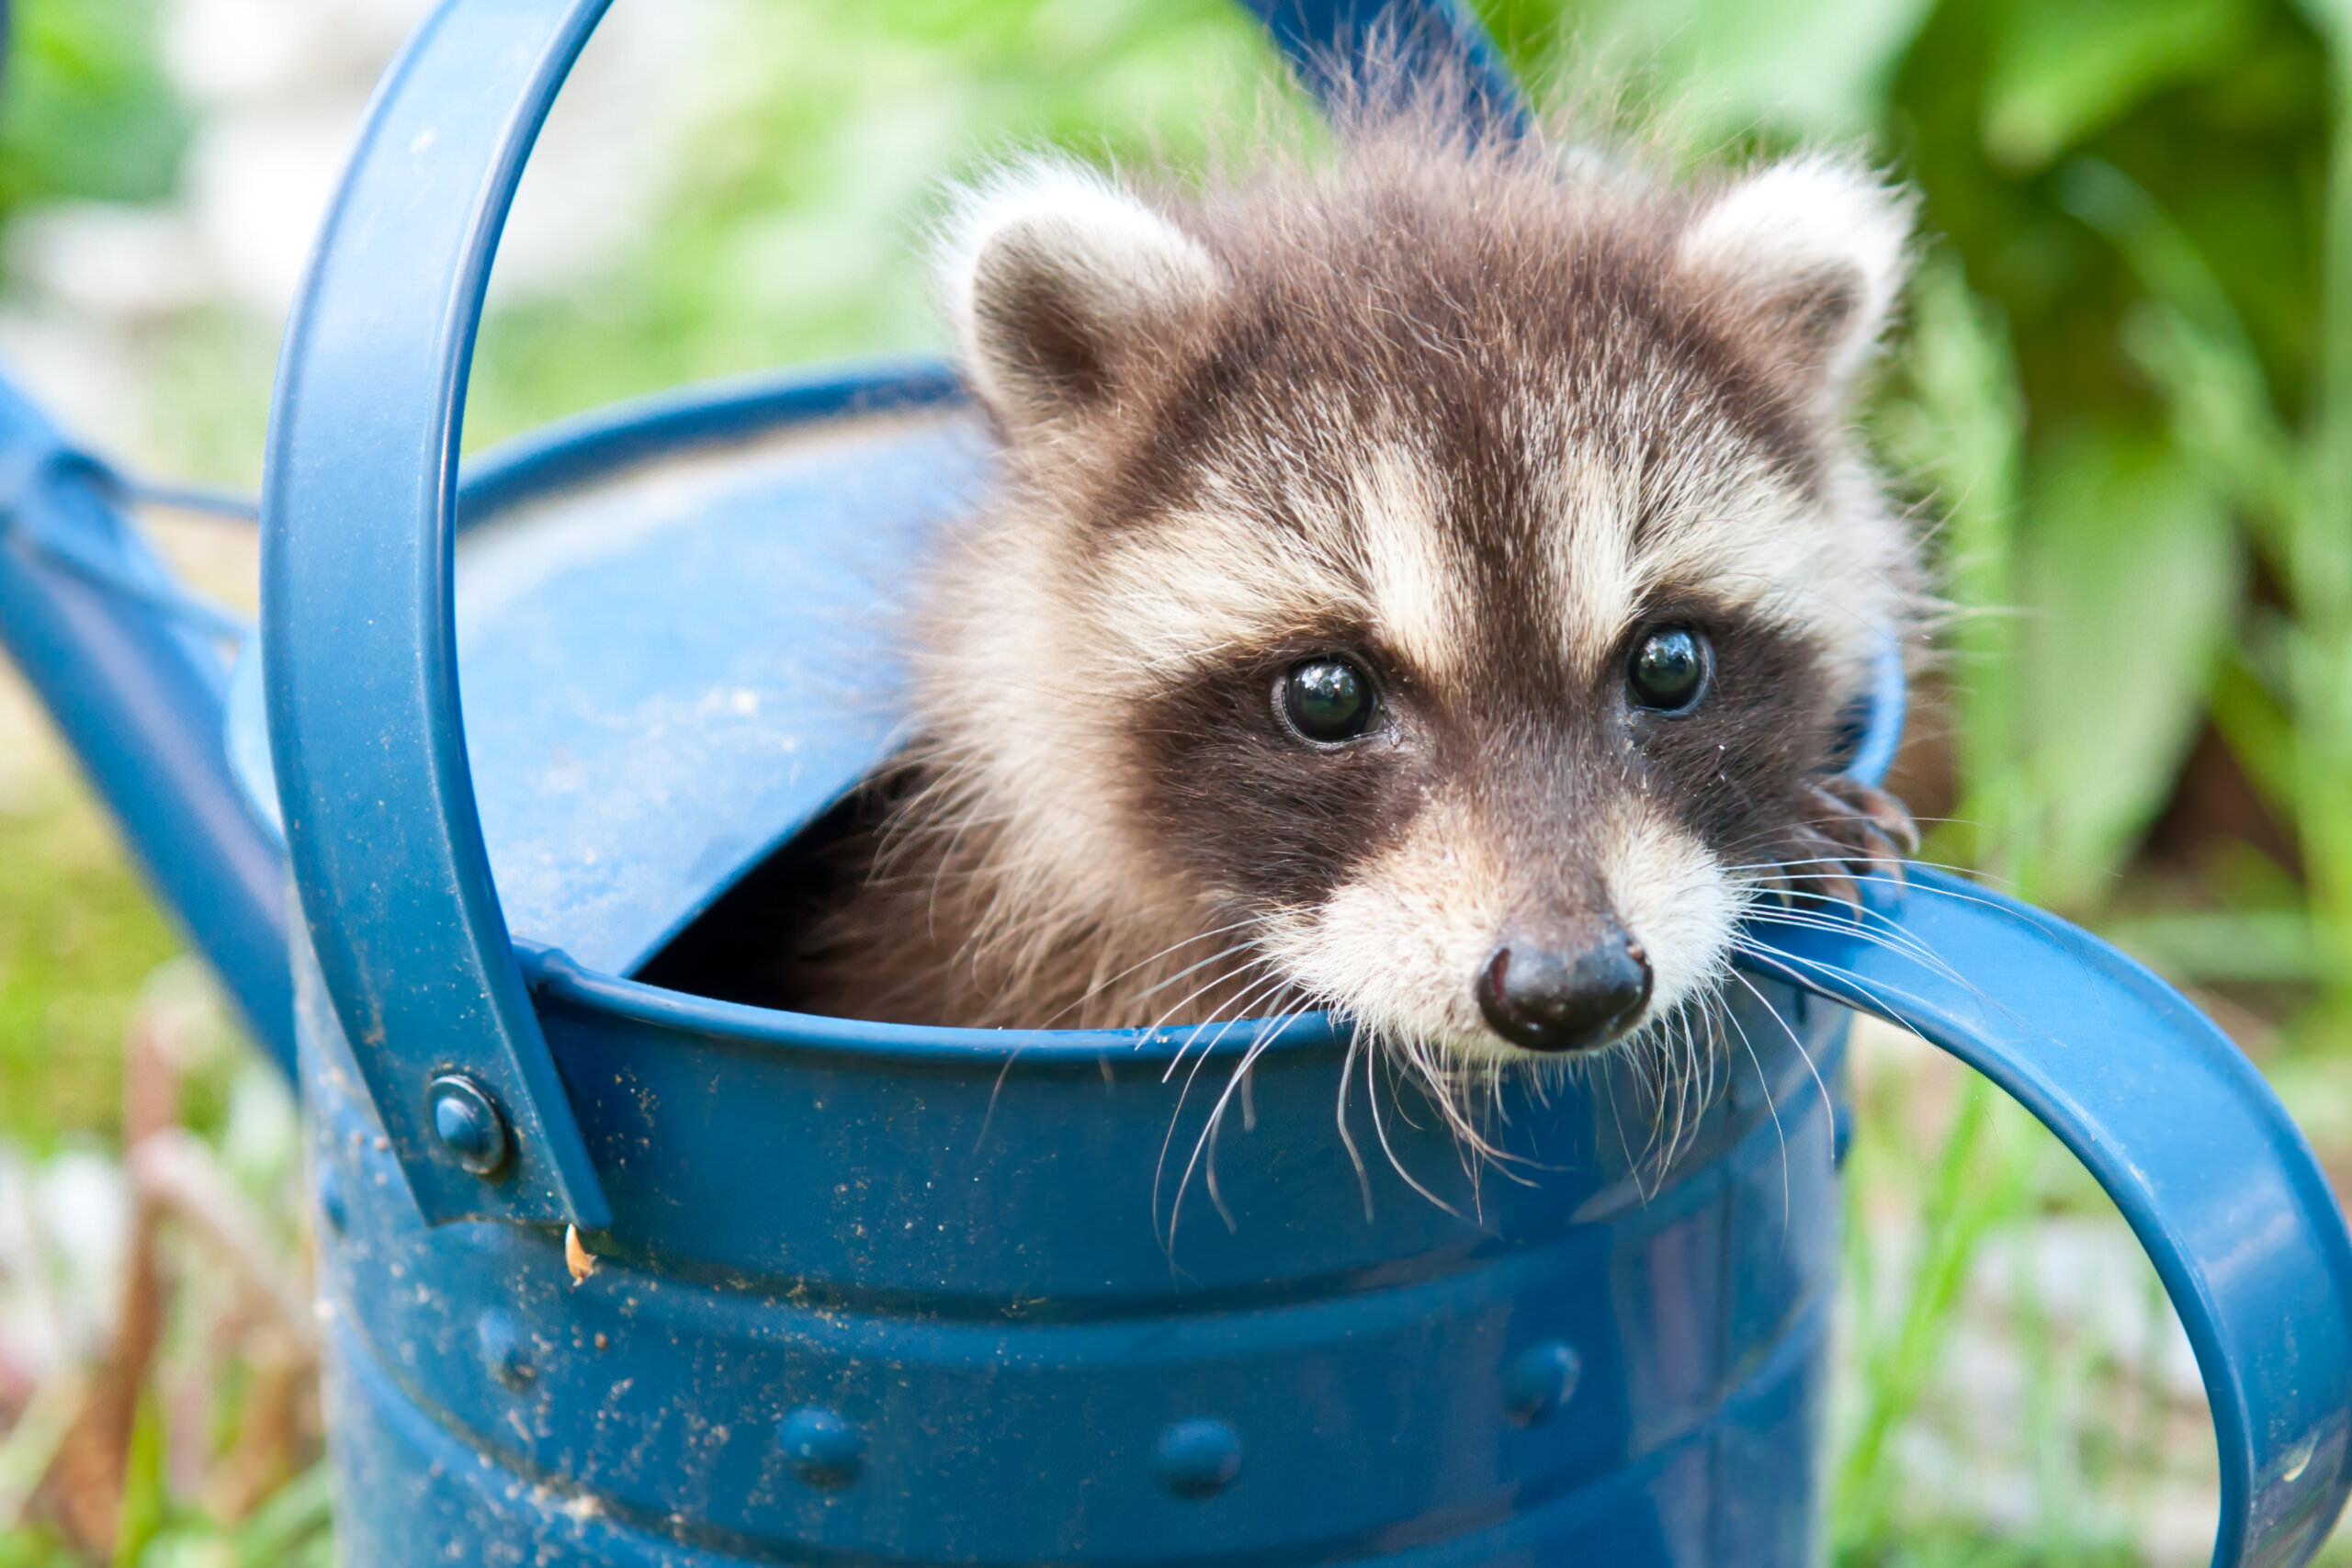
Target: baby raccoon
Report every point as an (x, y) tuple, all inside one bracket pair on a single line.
[(1426, 585)]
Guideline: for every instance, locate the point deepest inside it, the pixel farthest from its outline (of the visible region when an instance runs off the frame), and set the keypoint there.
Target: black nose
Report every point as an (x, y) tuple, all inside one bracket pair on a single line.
[(1565, 992)]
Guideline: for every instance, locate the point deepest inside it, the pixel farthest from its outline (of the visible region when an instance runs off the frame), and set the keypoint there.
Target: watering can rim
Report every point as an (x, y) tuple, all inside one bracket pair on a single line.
[(609, 440)]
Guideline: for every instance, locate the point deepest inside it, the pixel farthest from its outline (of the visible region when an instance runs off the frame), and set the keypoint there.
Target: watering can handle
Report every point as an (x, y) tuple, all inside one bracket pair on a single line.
[(402, 916), (2182, 1131)]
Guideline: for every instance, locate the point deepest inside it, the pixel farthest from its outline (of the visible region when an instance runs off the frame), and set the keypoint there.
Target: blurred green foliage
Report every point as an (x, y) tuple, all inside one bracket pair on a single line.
[(85, 111), (78, 934), (795, 225)]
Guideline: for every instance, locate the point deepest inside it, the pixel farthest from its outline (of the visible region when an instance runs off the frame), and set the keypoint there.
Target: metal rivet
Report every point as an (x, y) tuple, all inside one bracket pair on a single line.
[(503, 1349), (1540, 1380), (1198, 1458), (469, 1123), (331, 1206), (824, 1448)]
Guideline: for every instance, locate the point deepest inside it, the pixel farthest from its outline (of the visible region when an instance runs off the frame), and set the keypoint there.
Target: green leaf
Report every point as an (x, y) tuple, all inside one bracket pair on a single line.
[(85, 111), (299, 1514), (1811, 68), (2132, 570), (146, 1496), (2222, 944), (1961, 430), (2061, 70)]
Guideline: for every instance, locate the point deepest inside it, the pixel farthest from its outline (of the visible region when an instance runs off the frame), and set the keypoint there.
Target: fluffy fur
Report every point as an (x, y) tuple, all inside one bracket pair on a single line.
[(1473, 412)]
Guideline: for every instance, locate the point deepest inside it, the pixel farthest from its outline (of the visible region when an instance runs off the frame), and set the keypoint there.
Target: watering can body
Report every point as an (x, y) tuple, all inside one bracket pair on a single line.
[(614, 1273), (947, 1296)]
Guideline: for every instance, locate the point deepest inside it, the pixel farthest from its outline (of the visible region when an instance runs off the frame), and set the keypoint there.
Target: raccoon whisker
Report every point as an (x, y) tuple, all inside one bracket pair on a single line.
[(1230, 950), (1934, 963), (1633, 1165), (1347, 1136), (1239, 1080), (1903, 944), (1880, 993), (1738, 868), (1771, 1109), (1098, 987), (1372, 1092), (1194, 1037), (1941, 893), (1239, 1006), (1443, 1084), (1893, 939), (1175, 1120)]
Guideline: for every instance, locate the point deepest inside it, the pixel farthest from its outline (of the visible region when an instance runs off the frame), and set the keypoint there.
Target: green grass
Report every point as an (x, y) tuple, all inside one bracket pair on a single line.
[(78, 936)]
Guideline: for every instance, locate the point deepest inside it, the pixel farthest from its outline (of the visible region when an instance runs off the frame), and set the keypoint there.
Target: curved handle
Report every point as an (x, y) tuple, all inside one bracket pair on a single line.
[(359, 503), (359, 508), (2182, 1131)]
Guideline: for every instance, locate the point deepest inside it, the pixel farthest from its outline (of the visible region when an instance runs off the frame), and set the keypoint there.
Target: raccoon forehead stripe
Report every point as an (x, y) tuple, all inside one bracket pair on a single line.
[(1421, 601), (1596, 578), (1199, 583)]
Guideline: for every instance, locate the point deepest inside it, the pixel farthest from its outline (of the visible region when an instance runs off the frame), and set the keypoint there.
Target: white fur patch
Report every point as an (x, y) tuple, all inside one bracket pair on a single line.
[(1419, 601), (1595, 579), (1675, 901), (1401, 942)]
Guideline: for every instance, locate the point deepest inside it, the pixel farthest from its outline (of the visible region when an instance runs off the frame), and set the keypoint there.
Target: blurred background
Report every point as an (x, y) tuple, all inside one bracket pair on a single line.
[(2123, 403)]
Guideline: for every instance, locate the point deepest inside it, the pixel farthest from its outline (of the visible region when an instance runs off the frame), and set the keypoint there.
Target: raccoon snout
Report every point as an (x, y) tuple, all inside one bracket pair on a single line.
[(1571, 989)]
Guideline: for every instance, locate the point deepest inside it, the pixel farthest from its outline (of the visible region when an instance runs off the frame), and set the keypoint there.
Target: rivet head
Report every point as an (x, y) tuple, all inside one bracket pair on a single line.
[(333, 1208), (1198, 1458), (1540, 1380), (502, 1348), (469, 1123), (825, 1449)]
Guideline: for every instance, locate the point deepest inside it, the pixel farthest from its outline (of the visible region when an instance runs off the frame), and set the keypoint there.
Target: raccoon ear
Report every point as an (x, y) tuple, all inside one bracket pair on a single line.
[(1813, 253), (1055, 281)]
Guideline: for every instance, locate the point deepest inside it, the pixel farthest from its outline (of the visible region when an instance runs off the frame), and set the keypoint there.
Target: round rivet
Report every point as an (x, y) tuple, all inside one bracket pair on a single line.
[(1198, 1458), (468, 1121), (825, 1449), (1540, 1380), (331, 1206), (503, 1349)]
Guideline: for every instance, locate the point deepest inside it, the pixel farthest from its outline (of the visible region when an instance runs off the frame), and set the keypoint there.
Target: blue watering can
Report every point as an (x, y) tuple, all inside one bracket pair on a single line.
[(858, 1292)]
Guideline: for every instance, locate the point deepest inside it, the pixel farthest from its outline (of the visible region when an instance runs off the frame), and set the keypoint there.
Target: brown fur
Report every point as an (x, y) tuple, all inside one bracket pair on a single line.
[(1457, 408)]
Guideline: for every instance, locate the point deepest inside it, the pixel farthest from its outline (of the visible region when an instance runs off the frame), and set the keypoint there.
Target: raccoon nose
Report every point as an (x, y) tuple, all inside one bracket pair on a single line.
[(1564, 995)]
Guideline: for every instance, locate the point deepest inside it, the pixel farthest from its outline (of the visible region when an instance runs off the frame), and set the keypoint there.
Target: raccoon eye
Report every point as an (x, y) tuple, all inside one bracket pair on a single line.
[(1325, 700), (1667, 673)]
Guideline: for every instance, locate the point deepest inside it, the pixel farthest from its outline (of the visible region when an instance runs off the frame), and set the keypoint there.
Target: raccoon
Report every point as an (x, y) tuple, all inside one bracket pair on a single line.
[(1426, 584)]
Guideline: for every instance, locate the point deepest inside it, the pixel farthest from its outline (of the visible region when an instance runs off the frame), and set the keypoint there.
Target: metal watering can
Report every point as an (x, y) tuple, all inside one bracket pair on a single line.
[(894, 1295)]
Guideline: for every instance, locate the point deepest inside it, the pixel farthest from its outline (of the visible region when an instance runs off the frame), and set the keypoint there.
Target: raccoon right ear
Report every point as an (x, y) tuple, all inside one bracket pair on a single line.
[(1812, 252), (1055, 279)]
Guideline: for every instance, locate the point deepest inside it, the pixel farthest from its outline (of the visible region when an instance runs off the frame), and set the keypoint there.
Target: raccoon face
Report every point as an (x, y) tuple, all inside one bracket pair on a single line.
[(1447, 573)]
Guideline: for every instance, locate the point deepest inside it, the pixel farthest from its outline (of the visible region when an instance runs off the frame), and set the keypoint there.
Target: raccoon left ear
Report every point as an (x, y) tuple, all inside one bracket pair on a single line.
[(1059, 284), (1812, 252)]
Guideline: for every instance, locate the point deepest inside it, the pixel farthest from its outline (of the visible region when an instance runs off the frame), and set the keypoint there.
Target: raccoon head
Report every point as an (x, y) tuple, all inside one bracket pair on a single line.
[(1446, 571)]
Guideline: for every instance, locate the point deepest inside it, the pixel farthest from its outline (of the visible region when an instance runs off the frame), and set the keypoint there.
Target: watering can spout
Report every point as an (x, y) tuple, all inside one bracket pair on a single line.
[(134, 669)]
